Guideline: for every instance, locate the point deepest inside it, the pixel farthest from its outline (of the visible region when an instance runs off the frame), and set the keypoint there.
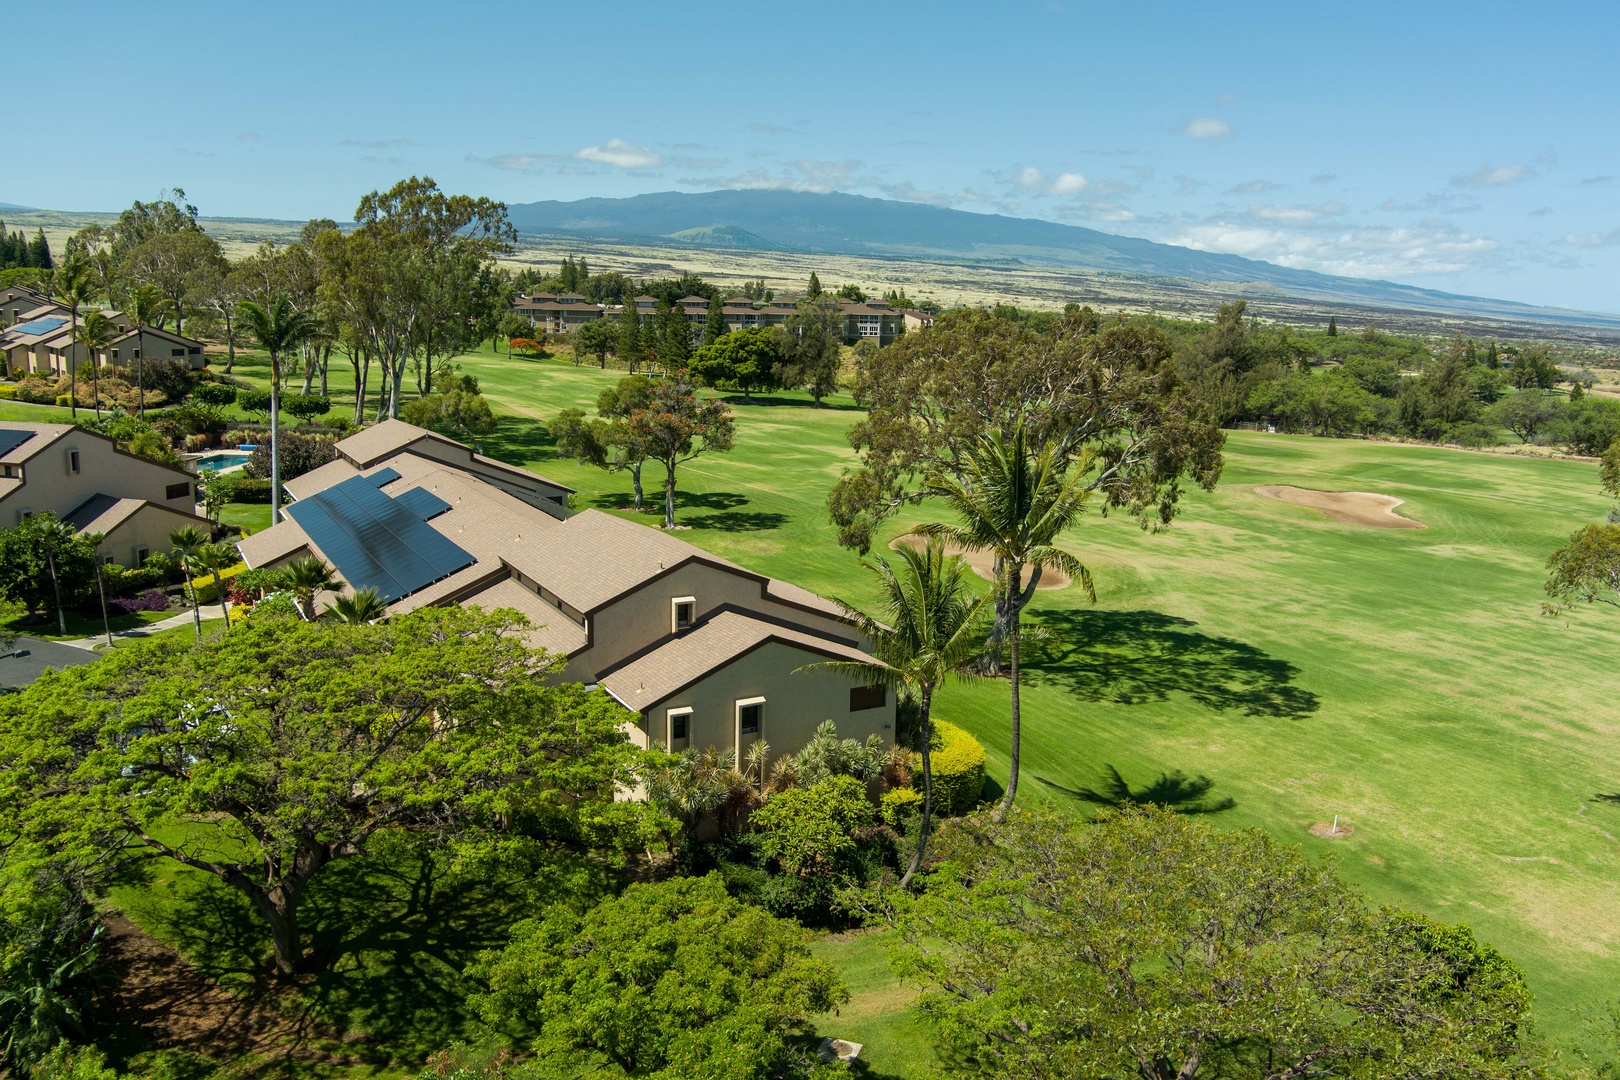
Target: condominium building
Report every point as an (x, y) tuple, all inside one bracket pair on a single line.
[(869, 321)]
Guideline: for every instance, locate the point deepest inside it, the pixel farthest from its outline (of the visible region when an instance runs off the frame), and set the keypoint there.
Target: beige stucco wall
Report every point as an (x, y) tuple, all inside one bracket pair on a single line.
[(637, 620), (796, 703), (154, 347), (49, 485), (148, 527)]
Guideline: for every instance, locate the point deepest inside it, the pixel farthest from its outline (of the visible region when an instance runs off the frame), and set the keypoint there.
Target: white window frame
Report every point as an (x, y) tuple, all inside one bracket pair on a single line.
[(675, 603), (737, 731), (670, 717)]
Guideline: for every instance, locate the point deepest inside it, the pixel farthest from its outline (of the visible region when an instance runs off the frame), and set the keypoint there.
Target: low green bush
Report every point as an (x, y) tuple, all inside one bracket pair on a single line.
[(207, 586), (8, 392), (958, 768), (899, 806), (128, 581), (234, 487)]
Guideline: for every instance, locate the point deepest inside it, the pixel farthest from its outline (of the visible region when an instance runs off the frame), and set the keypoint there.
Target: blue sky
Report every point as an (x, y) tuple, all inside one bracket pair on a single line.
[(1472, 147)]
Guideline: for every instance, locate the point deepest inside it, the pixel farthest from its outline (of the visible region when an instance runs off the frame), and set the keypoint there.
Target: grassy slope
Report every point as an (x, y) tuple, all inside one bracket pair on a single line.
[(1404, 679)]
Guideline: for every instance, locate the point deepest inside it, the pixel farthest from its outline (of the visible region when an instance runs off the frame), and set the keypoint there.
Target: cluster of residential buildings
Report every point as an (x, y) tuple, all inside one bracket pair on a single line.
[(87, 481), (704, 652), (38, 338), (563, 313)]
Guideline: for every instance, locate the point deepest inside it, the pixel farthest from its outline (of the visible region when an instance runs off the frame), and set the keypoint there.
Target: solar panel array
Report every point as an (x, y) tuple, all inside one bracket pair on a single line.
[(422, 502), (376, 542), (383, 477), (11, 438), (40, 326)]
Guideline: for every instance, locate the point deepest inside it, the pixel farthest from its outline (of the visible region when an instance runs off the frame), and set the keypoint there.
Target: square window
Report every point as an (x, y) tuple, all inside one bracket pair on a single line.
[(867, 697), (748, 718), (177, 491)]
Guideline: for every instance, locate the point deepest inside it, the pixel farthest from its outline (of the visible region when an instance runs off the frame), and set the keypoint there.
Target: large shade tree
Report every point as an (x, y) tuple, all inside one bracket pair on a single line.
[(676, 426), (289, 745), (1152, 945)]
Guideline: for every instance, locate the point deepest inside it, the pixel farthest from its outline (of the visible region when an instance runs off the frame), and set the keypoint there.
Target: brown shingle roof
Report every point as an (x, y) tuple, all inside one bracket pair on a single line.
[(104, 513), (726, 637), (553, 631), (378, 441)]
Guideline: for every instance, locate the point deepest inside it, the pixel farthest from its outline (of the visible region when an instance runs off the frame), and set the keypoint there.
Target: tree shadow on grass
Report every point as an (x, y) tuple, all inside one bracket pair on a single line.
[(518, 438), (1171, 790), (1135, 657), (773, 401)]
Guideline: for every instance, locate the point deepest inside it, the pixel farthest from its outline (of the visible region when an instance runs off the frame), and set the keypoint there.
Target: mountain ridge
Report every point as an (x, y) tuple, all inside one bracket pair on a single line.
[(844, 224)]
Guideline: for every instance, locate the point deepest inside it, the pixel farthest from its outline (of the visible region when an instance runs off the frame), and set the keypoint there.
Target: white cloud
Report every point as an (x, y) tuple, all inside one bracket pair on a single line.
[(1494, 176), (1226, 101), (1067, 183), (1253, 187), (1591, 180), (806, 174), (378, 144), (1206, 127), (768, 129), (906, 191), (515, 162), (1433, 247), (621, 155), (1324, 178), (1298, 215), (1593, 239)]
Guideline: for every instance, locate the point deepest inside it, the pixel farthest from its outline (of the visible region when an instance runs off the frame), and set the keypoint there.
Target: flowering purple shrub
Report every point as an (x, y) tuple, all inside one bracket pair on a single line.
[(150, 600)]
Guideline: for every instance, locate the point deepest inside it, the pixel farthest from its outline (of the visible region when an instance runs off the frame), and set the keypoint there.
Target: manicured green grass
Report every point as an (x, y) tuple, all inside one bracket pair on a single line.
[(1404, 680), (894, 1041), (254, 517), (78, 626)]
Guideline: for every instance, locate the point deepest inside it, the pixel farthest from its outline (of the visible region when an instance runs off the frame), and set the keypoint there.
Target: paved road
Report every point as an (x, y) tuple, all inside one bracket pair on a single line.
[(18, 671)]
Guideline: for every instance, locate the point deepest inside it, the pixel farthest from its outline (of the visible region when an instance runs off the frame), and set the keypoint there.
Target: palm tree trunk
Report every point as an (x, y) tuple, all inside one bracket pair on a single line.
[(928, 789), (275, 438), (196, 605), (101, 587), (56, 590), (1017, 714)]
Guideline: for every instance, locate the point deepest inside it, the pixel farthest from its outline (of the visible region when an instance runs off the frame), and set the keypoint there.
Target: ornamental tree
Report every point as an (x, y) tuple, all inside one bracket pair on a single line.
[(1153, 945), (672, 980), (289, 745), (676, 426)]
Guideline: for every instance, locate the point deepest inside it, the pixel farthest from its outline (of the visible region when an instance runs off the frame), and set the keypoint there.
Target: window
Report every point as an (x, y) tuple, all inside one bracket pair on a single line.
[(750, 716), (680, 721), (177, 491), (106, 560), (867, 697), (141, 553), (177, 352), (73, 462), (682, 613)]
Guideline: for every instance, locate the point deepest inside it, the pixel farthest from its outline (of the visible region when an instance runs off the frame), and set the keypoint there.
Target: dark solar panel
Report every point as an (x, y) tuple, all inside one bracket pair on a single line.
[(11, 438), (422, 502), (374, 541), (383, 477)]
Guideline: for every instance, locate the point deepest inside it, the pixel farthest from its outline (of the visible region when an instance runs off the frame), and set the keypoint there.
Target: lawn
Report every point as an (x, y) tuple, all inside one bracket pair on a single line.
[(1404, 680), (78, 626)]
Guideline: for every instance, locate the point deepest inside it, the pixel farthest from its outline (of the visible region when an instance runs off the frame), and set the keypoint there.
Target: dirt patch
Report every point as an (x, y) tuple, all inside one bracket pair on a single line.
[(1328, 830), (983, 563), (171, 1005), (1352, 507)]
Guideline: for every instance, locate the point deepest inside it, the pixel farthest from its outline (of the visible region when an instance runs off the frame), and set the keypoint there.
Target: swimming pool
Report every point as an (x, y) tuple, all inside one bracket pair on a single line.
[(220, 460)]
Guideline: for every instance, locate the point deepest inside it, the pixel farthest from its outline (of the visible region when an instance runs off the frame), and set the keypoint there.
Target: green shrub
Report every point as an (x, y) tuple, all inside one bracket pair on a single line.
[(217, 394), (126, 581), (207, 586), (958, 767), (899, 806), (299, 454), (237, 488), (64, 400), (8, 392)]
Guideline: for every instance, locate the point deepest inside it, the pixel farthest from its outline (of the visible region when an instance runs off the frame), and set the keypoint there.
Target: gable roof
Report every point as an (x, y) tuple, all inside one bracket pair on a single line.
[(167, 335), (104, 513), (706, 648)]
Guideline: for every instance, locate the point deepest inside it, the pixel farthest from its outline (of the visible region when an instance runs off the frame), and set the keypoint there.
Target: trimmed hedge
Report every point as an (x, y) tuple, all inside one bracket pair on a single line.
[(208, 592), (958, 767)]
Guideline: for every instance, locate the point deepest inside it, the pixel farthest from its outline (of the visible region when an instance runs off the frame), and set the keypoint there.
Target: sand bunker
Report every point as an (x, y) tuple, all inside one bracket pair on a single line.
[(983, 563), (1354, 507)]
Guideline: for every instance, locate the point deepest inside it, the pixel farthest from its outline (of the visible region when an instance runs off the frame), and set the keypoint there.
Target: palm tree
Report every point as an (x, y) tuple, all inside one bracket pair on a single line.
[(54, 534), (1015, 500), (211, 559), (96, 336), (366, 605), (188, 540), (94, 540), (74, 287), (279, 327), (930, 627), (304, 578), (147, 305)]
